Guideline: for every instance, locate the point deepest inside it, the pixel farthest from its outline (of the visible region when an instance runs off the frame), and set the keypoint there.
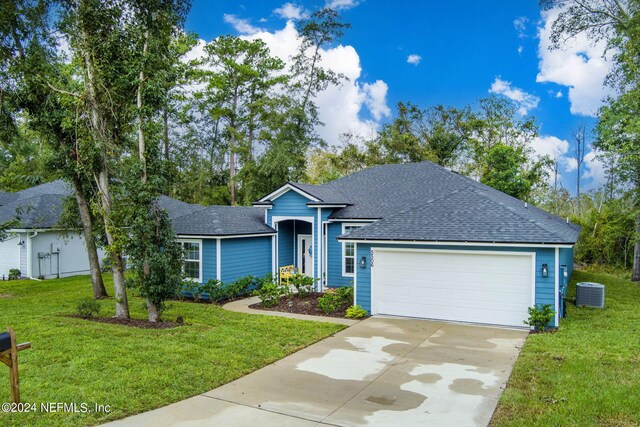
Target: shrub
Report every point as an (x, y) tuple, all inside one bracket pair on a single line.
[(330, 302), (260, 281), (345, 294), (215, 289), (14, 274), (88, 307), (356, 312), (539, 317), (270, 293), (303, 284), (241, 286)]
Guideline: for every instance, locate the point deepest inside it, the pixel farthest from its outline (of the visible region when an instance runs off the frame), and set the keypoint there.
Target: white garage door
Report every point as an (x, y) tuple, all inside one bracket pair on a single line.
[(493, 288), (9, 255)]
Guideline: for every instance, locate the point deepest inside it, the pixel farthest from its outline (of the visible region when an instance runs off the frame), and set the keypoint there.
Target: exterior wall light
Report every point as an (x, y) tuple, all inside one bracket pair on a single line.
[(363, 262), (21, 243), (545, 270)]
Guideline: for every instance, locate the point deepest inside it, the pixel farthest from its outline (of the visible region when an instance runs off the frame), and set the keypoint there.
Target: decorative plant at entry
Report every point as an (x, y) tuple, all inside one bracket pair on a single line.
[(540, 317), (356, 312)]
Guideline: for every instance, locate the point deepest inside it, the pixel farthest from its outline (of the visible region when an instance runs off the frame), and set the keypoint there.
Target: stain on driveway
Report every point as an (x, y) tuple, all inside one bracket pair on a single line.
[(382, 371)]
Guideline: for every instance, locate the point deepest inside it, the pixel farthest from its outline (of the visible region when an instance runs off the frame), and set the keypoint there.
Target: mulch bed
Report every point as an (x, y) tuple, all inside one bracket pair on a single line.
[(302, 305), (136, 323)]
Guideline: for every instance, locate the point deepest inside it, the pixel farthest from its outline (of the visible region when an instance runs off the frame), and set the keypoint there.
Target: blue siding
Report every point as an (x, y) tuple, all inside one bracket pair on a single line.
[(290, 204), (285, 243), (248, 256), (334, 260), (363, 278), (566, 258), (545, 286), (209, 261)]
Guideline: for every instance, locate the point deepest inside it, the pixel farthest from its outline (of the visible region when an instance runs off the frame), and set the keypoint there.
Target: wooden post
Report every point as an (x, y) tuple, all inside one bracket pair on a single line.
[(10, 358)]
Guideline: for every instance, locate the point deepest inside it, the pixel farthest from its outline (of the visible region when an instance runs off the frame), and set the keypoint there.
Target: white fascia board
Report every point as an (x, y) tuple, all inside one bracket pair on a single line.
[(438, 243), (230, 236), (282, 190)]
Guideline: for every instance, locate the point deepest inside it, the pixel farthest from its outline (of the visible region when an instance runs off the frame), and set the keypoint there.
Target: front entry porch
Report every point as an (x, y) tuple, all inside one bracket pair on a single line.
[(295, 246)]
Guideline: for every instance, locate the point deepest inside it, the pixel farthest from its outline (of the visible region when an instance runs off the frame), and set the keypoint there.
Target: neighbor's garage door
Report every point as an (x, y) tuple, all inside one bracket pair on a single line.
[(9, 255), (493, 288)]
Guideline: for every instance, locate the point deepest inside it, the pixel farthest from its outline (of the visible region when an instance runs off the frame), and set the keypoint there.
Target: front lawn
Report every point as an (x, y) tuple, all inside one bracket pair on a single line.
[(588, 373), (131, 369)]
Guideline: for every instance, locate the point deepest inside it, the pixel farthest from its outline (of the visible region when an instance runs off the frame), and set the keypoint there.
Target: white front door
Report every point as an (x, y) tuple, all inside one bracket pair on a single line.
[(480, 287), (305, 254)]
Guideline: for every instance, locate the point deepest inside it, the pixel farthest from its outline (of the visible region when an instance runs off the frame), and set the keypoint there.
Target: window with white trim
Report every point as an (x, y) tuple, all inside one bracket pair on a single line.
[(349, 251), (192, 259)]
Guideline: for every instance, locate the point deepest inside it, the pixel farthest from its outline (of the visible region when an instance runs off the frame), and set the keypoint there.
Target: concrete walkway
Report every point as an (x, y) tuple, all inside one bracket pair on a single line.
[(242, 306), (382, 371)]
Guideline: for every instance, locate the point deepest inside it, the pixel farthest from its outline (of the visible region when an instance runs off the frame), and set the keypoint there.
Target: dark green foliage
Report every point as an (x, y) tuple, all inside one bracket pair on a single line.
[(540, 317), (88, 307), (14, 274), (356, 312), (270, 293), (330, 302), (506, 170), (303, 284), (345, 294)]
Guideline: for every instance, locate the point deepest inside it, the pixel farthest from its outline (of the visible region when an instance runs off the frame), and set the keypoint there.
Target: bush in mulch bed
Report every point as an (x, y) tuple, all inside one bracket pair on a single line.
[(333, 303), (136, 323), (307, 304)]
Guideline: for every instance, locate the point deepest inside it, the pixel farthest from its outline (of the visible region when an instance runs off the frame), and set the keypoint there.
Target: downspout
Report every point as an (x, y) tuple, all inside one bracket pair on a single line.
[(30, 255)]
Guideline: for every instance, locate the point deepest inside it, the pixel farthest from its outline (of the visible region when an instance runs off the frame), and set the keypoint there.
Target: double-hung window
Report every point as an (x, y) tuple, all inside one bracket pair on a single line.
[(348, 252), (192, 259)]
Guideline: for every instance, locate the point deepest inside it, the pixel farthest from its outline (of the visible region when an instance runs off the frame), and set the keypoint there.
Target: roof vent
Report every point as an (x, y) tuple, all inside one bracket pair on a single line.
[(590, 294)]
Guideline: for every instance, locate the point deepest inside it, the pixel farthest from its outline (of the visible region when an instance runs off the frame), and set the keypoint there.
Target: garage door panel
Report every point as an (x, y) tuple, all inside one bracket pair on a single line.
[(485, 288)]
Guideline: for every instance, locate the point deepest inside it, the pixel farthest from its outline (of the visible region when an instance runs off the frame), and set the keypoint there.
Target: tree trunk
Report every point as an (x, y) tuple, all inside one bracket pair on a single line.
[(97, 283), (166, 134), (117, 264), (102, 134), (232, 154), (154, 313), (635, 274)]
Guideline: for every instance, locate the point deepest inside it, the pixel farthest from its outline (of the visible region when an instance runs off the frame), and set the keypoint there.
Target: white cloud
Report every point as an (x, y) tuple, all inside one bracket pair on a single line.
[(520, 24), (341, 4), (594, 169), (579, 65), (520, 49), (241, 25), (523, 100), (414, 59), (290, 11), (376, 99), (559, 94), (551, 146), (572, 164)]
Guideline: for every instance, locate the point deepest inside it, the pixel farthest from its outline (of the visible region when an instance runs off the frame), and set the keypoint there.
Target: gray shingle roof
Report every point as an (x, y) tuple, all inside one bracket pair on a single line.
[(467, 215), (176, 208), (38, 211), (223, 221), (409, 197)]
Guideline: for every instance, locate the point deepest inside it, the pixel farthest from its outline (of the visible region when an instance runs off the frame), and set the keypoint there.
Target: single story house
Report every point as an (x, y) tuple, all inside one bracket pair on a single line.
[(414, 240), (418, 240)]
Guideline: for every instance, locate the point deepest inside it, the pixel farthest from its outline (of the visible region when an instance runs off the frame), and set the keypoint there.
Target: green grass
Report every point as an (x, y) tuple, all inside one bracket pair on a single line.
[(588, 373), (131, 369)]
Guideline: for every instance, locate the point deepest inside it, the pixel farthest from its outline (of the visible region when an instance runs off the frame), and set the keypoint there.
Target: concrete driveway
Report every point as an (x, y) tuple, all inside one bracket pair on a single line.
[(382, 371)]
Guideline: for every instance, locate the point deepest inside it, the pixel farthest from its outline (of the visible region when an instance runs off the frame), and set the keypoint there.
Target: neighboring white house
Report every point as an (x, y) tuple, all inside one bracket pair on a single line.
[(38, 247)]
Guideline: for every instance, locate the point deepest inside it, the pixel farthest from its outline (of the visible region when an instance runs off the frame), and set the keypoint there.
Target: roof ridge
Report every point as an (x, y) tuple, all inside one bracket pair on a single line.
[(514, 211)]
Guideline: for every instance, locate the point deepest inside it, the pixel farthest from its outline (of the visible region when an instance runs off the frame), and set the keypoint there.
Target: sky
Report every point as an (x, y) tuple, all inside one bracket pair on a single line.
[(436, 52)]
